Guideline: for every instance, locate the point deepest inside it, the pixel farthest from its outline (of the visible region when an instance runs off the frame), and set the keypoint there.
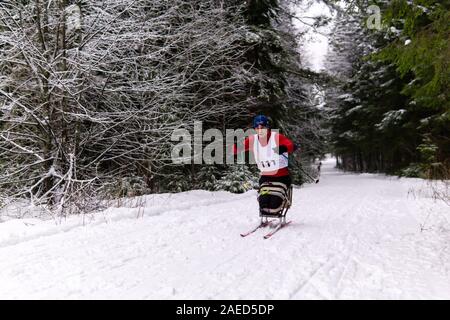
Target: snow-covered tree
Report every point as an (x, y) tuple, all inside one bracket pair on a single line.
[(90, 92), (393, 97)]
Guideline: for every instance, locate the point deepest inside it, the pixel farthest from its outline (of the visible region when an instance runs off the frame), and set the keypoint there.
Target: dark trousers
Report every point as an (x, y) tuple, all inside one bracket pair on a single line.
[(272, 201), (284, 179)]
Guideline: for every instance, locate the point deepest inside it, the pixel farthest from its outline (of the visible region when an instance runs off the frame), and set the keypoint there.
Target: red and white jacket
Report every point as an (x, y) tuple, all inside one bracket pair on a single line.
[(280, 140)]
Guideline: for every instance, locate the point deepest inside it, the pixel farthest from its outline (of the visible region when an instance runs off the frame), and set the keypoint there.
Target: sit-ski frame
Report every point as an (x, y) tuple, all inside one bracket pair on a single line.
[(281, 215)]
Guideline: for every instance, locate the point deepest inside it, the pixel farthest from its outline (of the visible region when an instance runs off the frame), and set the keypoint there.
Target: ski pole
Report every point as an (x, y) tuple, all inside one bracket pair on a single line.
[(306, 173), (309, 176)]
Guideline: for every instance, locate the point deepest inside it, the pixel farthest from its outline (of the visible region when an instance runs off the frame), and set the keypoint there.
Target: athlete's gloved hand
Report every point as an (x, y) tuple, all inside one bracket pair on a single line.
[(281, 149)]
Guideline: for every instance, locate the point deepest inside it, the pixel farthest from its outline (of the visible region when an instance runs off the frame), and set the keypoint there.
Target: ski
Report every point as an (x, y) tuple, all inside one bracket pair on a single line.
[(280, 226), (261, 225)]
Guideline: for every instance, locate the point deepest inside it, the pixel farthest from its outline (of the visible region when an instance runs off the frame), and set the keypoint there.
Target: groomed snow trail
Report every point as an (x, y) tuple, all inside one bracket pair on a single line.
[(353, 236)]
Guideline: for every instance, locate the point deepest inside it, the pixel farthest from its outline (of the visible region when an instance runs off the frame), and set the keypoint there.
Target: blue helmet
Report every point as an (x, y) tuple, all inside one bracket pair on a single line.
[(260, 120)]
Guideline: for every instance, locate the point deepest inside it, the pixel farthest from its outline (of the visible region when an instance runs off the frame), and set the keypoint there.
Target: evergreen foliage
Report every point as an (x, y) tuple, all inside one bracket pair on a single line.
[(392, 112), (237, 179)]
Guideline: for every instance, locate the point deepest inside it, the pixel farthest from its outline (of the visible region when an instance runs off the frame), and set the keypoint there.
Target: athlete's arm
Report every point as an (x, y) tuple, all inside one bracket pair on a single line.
[(285, 144)]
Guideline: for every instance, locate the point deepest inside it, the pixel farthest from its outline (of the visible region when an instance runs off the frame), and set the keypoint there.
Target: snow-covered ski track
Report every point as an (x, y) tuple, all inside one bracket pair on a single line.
[(355, 236)]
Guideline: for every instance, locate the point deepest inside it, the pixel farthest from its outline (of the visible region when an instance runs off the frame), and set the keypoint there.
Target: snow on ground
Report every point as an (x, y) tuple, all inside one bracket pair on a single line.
[(353, 236)]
